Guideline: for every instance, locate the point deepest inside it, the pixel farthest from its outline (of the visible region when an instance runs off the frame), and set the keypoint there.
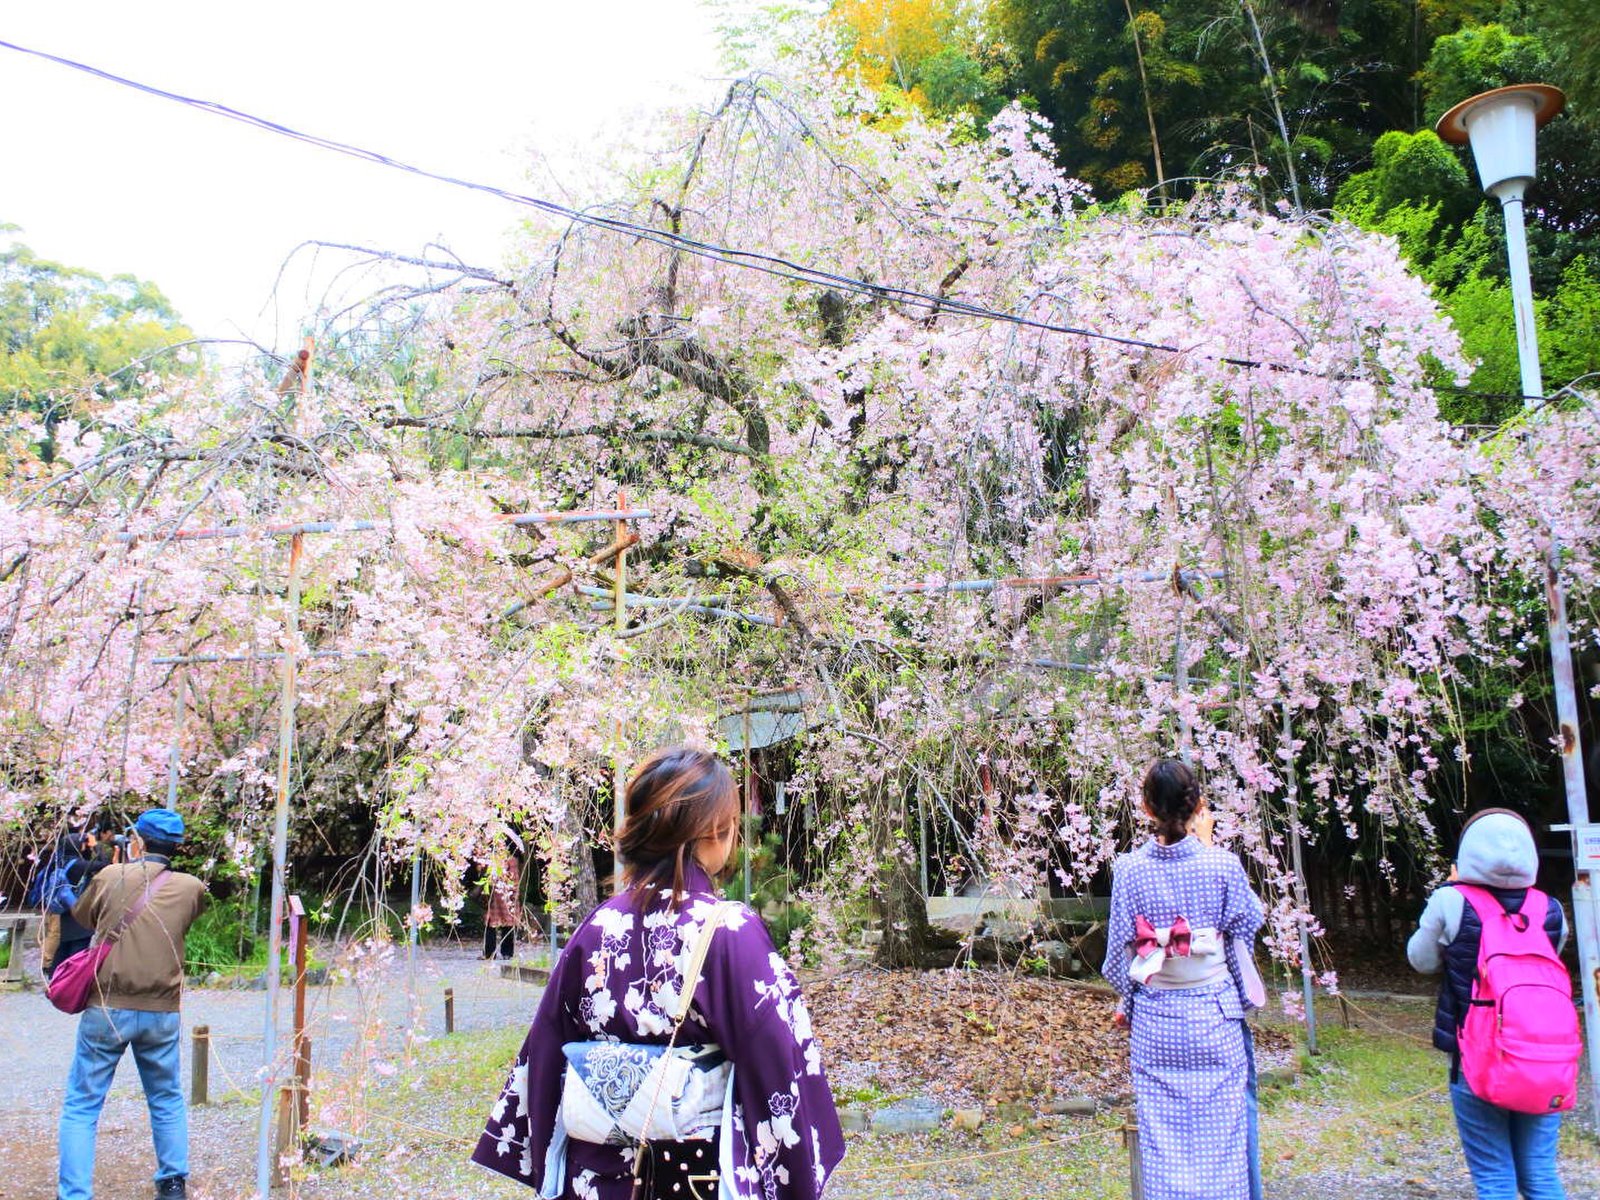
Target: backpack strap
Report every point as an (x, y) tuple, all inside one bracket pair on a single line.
[(1504, 929), (1483, 902)]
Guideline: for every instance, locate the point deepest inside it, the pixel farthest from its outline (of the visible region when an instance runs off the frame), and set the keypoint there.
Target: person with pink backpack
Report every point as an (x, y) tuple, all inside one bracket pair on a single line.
[(1505, 1013)]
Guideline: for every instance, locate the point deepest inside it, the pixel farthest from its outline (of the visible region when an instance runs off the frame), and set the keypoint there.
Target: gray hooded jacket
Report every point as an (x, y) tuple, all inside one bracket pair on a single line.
[(1497, 852)]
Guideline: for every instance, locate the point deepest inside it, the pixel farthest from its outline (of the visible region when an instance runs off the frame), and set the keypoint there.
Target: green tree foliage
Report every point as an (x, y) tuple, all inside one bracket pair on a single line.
[(1336, 102), (65, 330), (1336, 75), (934, 52)]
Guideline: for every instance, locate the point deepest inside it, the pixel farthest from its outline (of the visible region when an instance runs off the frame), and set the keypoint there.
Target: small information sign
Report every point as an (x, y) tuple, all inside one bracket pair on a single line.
[(1586, 847)]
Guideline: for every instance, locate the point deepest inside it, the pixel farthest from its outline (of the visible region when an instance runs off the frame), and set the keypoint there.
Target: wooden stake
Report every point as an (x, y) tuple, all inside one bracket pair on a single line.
[(200, 1066)]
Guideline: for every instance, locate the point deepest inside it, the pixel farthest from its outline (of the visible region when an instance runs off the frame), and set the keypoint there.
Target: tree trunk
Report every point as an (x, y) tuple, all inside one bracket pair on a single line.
[(906, 934), (585, 884)]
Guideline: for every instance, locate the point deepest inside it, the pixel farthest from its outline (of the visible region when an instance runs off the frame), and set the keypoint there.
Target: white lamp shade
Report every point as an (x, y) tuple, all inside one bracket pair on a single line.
[(1503, 127), (1503, 136)]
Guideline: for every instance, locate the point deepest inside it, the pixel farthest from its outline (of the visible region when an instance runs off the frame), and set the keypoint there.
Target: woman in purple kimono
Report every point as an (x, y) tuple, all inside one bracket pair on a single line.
[(751, 1116), (1183, 919)]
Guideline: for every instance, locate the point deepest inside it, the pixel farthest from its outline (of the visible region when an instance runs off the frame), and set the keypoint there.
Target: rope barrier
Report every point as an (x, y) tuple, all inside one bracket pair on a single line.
[(228, 1076), (1369, 1015)]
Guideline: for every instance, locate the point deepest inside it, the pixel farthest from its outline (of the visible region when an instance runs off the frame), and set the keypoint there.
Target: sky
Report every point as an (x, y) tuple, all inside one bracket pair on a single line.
[(109, 179)]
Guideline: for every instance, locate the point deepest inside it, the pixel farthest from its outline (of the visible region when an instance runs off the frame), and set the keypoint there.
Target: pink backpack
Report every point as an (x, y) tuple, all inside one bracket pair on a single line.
[(1519, 1042)]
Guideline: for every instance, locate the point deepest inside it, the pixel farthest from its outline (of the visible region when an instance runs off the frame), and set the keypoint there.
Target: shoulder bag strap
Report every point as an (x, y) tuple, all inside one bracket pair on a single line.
[(697, 963), (691, 981), (137, 907)]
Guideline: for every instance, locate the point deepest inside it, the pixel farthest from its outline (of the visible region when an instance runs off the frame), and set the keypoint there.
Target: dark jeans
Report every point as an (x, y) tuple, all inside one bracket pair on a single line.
[(499, 941)]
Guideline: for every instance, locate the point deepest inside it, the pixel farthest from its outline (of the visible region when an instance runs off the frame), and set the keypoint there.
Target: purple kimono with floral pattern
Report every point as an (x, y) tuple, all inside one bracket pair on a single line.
[(619, 978)]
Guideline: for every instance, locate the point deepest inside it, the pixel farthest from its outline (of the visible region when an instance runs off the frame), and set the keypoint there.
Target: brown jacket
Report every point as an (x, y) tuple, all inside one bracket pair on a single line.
[(145, 970)]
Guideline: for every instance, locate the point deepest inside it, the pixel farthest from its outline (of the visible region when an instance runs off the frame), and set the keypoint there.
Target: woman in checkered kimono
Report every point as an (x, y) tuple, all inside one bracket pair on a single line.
[(1183, 918)]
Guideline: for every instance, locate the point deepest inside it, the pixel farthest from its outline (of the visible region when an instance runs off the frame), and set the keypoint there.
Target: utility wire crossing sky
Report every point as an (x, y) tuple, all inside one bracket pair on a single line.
[(768, 262)]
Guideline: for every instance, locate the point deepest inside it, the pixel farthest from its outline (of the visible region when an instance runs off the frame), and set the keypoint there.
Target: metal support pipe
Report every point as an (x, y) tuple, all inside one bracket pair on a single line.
[(1180, 685), (1510, 193), (280, 844), (1510, 196), (411, 926), (1025, 583), (1586, 924), (1585, 895), (922, 838), (749, 791), (365, 526), (175, 754), (619, 601), (1307, 978), (259, 656)]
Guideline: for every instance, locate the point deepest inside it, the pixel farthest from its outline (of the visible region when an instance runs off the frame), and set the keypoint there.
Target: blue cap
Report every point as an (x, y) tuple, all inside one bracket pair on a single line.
[(160, 825)]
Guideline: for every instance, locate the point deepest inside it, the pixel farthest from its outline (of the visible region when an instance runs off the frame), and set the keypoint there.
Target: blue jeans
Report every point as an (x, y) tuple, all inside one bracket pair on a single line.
[(1507, 1151), (103, 1034)]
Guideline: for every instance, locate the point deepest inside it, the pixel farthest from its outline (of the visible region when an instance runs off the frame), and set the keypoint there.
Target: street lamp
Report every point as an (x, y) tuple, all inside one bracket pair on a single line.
[(1502, 126)]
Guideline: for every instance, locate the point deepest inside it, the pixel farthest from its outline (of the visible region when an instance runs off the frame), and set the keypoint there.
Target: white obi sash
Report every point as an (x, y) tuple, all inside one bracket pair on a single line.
[(1177, 956)]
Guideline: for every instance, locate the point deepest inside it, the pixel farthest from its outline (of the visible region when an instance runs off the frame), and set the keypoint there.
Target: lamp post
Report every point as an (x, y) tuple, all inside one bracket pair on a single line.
[(1502, 127)]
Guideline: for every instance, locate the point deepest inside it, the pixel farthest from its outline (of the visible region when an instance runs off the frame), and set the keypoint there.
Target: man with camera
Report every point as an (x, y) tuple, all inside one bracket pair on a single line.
[(135, 1003)]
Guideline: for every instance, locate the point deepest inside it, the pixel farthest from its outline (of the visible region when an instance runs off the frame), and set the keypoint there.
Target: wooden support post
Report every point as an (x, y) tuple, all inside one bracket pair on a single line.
[(449, 1010), (1130, 1139), (288, 1134), (302, 1045), (302, 1081), (200, 1066)]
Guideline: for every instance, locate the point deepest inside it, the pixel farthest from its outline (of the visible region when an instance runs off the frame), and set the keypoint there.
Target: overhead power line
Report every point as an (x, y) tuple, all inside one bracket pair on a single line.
[(757, 260)]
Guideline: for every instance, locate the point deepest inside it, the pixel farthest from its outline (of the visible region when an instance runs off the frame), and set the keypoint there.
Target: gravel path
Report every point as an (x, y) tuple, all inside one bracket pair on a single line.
[(36, 1048), (1321, 1143)]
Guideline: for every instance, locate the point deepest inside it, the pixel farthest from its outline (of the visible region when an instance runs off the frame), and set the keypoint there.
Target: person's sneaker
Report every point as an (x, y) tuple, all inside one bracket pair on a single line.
[(172, 1186)]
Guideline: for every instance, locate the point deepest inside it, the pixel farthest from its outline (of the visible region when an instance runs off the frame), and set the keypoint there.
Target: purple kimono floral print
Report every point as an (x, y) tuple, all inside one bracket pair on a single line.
[(1193, 1067), (619, 978)]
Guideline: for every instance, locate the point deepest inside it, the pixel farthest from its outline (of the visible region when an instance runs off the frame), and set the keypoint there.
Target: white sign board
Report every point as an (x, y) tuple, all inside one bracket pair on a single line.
[(1586, 847)]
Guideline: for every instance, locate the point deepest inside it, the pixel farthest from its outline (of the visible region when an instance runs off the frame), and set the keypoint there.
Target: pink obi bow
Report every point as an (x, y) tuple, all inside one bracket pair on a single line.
[(1146, 941)]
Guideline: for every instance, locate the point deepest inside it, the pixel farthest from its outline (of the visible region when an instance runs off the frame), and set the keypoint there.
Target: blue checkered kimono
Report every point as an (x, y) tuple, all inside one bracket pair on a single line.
[(1193, 1070)]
